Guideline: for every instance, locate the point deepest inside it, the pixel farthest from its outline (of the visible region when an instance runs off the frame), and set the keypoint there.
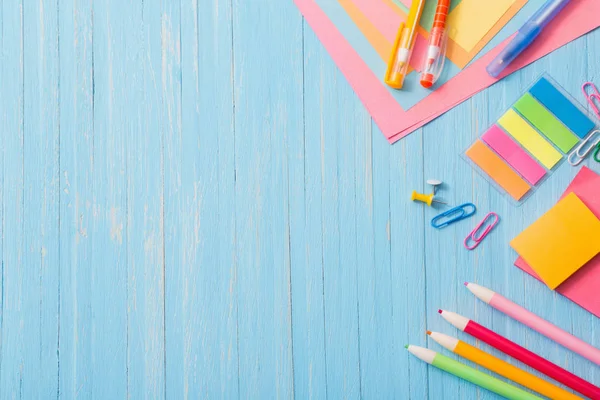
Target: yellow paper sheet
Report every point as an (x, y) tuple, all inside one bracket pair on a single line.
[(561, 241), (471, 20), (530, 139)]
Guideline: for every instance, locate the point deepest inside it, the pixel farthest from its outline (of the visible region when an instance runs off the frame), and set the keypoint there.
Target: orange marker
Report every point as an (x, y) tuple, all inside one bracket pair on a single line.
[(436, 51), (502, 368), (405, 41)]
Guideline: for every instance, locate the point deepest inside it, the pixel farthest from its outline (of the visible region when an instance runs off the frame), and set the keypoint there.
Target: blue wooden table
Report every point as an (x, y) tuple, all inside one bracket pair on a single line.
[(195, 204)]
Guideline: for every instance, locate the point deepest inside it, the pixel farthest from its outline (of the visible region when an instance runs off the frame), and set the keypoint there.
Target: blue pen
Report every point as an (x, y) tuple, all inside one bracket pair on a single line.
[(526, 35)]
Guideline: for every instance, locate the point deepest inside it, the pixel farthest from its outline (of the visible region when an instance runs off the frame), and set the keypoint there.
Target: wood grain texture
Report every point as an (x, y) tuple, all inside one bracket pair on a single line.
[(195, 204)]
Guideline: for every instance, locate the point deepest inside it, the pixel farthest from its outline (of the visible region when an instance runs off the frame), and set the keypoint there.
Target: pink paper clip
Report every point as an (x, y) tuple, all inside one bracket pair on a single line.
[(593, 98), (490, 221)]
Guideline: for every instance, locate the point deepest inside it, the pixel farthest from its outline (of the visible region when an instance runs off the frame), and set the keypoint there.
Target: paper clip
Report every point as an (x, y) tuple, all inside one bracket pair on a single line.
[(593, 97), (597, 153), (491, 220), (453, 215), (587, 146)]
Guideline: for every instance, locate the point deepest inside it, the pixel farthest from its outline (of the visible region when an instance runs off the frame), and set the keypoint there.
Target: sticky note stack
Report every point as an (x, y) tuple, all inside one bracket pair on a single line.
[(530, 139), (561, 242), (582, 286)]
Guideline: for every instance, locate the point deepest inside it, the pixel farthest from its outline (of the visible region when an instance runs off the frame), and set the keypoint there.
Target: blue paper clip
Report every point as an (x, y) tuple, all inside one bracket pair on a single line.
[(453, 215)]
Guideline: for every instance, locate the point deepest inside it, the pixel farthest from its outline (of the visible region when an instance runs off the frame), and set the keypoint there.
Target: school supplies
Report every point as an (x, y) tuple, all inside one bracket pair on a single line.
[(536, 323), (343, 32), (402, 50), (501, 367), (453, 215), (597, 153), (425, 198), (522, 354), (561, 241), (436, 50), (530, 139), (593, 98), (585, 148), (476, 237), (470, 374), (582, 286), (526, 35)]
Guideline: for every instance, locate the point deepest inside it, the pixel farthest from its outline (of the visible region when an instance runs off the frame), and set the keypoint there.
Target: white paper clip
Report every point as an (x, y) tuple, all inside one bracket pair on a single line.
[(584, 148), (593, 97)]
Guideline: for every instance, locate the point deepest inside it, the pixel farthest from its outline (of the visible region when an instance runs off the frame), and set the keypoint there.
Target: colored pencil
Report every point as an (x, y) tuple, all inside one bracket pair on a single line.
[(502, 368), (522, 354), (470, 374), (536, 323)]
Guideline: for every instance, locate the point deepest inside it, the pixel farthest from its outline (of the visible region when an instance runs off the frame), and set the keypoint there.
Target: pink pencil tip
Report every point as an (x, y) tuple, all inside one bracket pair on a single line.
[(439, 311), (466, 283)]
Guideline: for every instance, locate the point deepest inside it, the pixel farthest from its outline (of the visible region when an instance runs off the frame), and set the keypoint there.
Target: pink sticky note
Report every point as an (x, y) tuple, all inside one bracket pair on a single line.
[(513, 154), (581, 287), (578, 18)]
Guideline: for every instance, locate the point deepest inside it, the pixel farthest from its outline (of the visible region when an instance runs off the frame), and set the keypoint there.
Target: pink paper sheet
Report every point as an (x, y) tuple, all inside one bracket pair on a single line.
[(514, 155), (582, 287), (578, 18)]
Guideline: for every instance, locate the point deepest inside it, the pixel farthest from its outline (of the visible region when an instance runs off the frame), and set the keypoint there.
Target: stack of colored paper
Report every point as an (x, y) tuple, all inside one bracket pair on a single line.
[(359, 35), (562, 248)]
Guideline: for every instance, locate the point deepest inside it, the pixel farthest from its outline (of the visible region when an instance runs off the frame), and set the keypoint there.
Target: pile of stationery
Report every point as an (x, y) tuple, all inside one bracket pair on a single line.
[(512, 350), (411, 61)]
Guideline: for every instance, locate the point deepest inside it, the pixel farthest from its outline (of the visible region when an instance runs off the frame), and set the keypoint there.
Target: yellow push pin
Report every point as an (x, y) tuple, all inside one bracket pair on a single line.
[(424, 198)]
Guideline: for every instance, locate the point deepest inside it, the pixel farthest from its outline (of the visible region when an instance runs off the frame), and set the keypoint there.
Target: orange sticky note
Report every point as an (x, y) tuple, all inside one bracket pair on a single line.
[(498, 170), (561, 241)]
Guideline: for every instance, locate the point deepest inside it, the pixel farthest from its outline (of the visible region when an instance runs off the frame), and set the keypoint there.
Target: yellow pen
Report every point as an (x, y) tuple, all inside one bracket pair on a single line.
[(405, 41)]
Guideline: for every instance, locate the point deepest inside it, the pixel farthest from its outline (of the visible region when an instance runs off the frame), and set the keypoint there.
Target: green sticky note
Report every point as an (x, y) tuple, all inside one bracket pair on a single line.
[(546, 122)]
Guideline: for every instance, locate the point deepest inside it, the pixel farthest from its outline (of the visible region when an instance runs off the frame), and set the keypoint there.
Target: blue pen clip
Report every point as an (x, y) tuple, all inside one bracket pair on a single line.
[(453, 215)]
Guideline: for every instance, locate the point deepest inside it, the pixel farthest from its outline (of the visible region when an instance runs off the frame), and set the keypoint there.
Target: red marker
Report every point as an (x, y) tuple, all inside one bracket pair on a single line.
[(436, 51), (522, 354)]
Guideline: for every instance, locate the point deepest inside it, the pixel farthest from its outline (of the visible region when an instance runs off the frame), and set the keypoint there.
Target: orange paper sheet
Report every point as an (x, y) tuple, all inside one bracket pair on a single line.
[(561, 241), (498, 170)]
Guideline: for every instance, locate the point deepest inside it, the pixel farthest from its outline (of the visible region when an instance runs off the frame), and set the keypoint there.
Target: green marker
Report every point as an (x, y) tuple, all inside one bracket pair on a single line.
[(470, 374)]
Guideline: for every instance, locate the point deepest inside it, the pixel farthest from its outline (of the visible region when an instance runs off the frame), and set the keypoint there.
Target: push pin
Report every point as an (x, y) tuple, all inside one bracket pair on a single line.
[(425, 198), (435, 184)]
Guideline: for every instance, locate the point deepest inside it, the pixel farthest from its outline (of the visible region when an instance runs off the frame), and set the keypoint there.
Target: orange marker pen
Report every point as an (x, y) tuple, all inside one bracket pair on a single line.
[(436, 51)]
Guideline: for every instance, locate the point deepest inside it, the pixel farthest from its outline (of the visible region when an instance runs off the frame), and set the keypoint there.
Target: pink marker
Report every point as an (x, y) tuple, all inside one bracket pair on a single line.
[(536, 323)]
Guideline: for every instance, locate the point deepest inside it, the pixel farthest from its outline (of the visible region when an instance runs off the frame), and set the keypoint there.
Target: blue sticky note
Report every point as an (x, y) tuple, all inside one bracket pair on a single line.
[(555, 101)]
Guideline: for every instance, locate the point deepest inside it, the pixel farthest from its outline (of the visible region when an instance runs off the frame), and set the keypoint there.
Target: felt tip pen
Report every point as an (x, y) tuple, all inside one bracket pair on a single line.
[(526, 35), (520, 353), (470, 374), (536, 323), (501, 367), (436, 50), (402, 49)]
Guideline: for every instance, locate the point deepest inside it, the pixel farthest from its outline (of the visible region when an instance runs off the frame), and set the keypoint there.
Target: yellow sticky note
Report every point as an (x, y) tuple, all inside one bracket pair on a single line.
[(530, 139), (471, 20), (561, 241)]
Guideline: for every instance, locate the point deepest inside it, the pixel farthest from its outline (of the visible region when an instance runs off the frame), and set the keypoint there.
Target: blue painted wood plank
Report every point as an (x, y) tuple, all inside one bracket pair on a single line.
[(201, 296), (268, 98), (408, 264), (341, 120), (145, 30), (306, 231), (109, 291), (77, 227), (40, 200), (15, 374)]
